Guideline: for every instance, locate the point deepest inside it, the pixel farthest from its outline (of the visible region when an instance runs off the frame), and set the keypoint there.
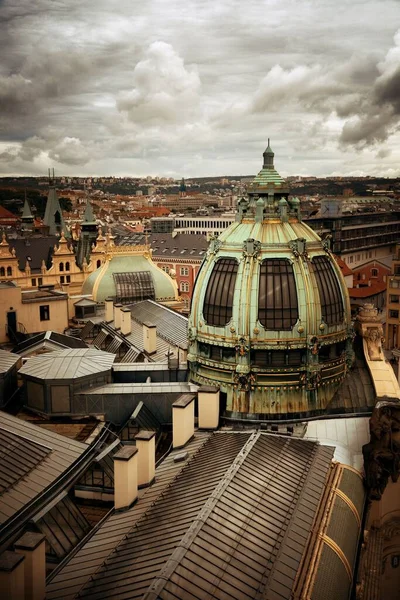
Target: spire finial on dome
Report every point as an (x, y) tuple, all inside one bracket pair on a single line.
[(268, 157)]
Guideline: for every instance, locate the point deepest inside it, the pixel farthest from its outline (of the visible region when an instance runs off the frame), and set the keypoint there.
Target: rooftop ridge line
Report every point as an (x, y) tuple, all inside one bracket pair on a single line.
[(153, 593)]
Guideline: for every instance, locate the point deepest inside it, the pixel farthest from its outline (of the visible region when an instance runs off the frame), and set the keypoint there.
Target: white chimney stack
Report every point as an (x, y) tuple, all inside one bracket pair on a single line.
[(117, 316), (12, 579), (208, 407), (32, 546), (125, 477), (182, 420), (149, 338), (109, 309), (146, 445), (126, 321)]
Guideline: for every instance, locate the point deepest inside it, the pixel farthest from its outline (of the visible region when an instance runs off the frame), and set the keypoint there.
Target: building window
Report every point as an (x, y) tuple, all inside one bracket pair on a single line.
[(68, 278), (394, 299), (62, 279), (40, 281), (277, 297), (33, 282), (184, 286), (67, 266), (218, 299), (350, 259), (98, 264), (44, 312), (332, 310), (394, 314), (61, 267), (9, 271), (374, 272), (2, 272), (184, 271)]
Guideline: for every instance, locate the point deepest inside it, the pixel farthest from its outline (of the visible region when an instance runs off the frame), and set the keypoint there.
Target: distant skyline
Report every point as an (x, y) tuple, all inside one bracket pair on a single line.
[(194, 88)]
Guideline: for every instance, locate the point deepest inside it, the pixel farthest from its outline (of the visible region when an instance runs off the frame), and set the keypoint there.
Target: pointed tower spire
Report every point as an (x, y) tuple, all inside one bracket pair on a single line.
[(89, 217), (53, 216), (268, 158)]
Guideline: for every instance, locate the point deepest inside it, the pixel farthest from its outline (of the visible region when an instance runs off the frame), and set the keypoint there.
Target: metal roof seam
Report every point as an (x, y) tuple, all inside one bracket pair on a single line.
[(180, 551)]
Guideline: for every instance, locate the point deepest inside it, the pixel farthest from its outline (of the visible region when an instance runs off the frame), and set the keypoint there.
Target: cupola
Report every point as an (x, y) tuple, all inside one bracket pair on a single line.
[(270, 318)]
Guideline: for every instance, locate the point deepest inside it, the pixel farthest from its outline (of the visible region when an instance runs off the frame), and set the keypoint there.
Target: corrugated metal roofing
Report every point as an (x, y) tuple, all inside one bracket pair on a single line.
[(61, 452), (68, 364), (233, 523), (7, 360)]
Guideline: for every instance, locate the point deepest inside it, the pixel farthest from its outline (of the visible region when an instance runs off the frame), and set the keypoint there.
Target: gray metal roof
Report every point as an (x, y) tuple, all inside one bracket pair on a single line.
[(7, 360), (47, 456), (68, 364), (171, 326), (233, 524), (161, 387)]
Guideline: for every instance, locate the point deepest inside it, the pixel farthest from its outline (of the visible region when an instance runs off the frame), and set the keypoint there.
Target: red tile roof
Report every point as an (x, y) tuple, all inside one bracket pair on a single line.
[(369, 290)]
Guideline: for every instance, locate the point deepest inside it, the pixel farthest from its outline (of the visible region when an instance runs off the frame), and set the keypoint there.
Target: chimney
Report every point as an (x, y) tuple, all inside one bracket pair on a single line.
[(125, 477), (109, 306), (146, 445), (149, 338), (126, 321), (117, 315), (208, 405), (182, 355), (12, 576), (182, 420), (32, 547)]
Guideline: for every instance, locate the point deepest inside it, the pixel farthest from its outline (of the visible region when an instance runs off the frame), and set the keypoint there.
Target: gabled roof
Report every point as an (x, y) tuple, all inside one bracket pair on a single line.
[(34, 250), (68, 364), (49, 340), (34, 458), (234, 520)]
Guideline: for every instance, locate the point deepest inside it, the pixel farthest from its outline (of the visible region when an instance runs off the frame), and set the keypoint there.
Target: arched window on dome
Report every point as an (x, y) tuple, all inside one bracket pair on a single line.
[(9, 271), (218, 299), (332, 309), (277, 297), (98, 264), (67, 266)]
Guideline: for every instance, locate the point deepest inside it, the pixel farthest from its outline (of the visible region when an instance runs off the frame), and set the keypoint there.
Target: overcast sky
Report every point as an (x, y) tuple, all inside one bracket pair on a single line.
[(195, 87)]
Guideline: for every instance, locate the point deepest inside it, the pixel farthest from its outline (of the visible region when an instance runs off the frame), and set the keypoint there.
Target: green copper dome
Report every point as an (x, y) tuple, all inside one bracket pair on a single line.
[(132, 274), (270, 316)]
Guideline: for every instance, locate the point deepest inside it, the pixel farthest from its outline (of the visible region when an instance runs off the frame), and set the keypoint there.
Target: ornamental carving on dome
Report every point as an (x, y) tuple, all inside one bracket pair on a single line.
[(244, 382), (299, 248), (251, 248), (214, 246)]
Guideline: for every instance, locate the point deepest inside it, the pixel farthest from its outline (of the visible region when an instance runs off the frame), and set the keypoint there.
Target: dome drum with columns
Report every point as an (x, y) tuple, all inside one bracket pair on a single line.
[(270, 318)]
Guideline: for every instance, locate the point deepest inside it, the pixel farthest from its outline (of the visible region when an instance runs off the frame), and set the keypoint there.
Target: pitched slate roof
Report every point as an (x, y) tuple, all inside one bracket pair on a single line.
[(37, 458), (68, 364), (34, 250), (233, 523)]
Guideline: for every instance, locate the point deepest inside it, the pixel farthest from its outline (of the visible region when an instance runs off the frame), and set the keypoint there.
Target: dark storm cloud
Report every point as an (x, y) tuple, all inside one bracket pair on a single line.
[(188, 87)]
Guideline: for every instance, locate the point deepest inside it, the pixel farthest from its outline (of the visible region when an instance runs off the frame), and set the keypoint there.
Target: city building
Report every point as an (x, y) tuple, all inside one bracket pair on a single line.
[(392, 331)]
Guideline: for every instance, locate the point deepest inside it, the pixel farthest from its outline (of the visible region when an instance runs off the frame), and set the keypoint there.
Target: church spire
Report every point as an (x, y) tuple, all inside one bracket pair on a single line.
[(53, 216)]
